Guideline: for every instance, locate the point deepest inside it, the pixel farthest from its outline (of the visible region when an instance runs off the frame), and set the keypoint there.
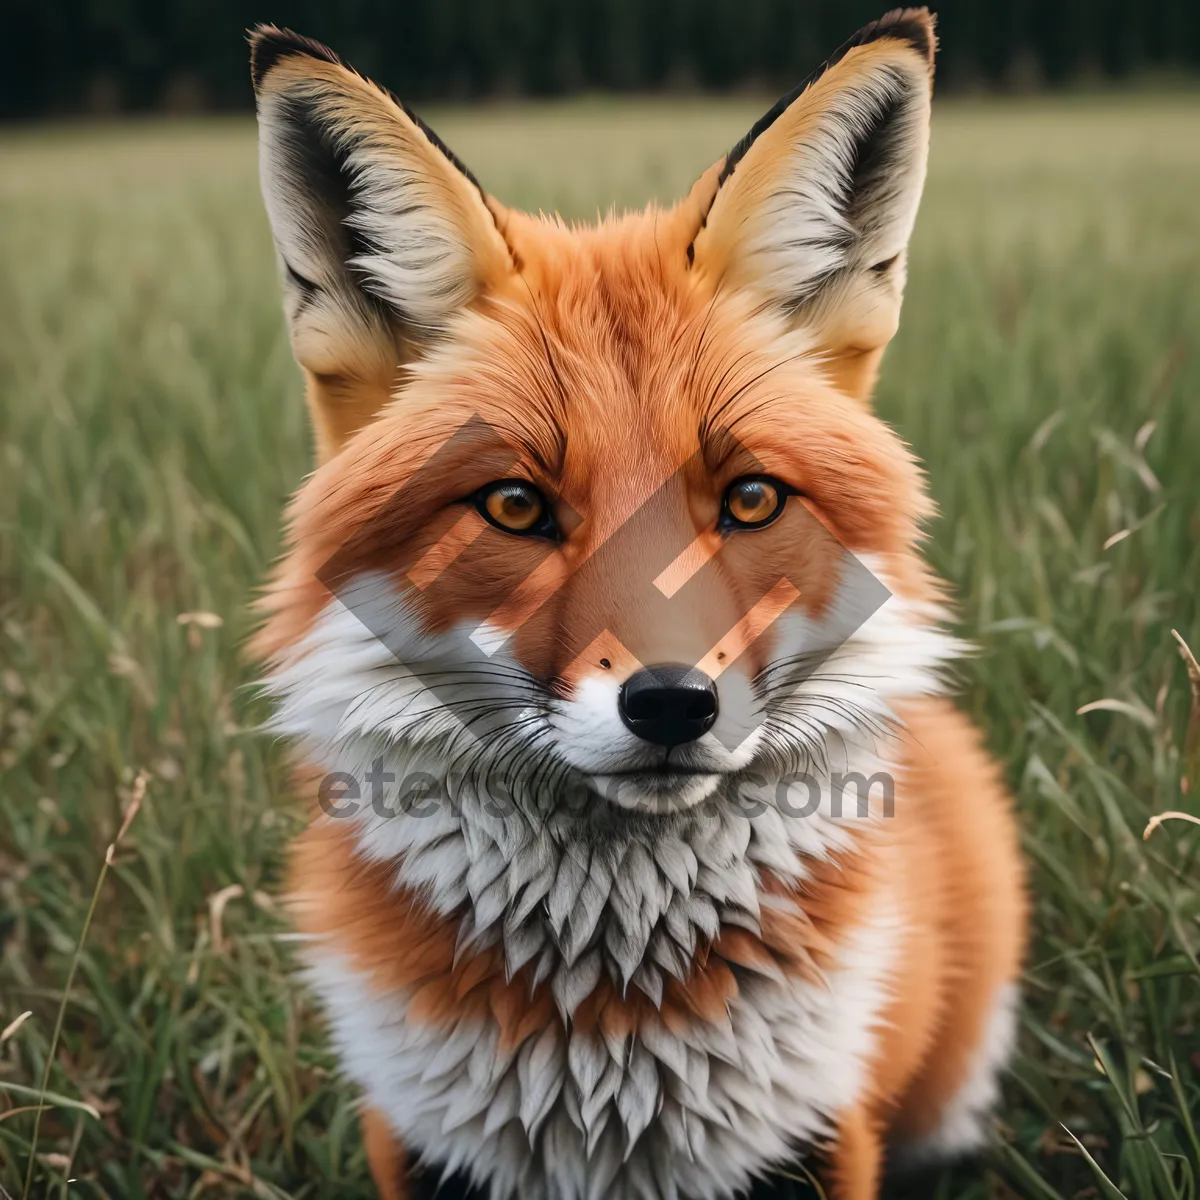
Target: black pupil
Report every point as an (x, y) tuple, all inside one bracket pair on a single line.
[(519, 503), (752, 496)]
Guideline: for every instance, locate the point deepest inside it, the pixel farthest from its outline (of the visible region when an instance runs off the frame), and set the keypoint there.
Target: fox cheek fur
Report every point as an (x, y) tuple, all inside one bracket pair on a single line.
[(658, 991)]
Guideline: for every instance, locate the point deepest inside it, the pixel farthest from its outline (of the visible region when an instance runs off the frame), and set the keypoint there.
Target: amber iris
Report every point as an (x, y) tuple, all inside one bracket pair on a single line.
[(516, 507), (753, 502)]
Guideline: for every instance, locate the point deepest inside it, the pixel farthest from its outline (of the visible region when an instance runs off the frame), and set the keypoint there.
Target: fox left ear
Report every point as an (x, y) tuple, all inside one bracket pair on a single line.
[(814, 207), (383, 236)]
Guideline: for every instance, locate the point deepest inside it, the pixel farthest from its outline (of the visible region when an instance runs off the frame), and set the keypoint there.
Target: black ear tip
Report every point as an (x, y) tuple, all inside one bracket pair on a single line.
[(269, 45), (912, 25)]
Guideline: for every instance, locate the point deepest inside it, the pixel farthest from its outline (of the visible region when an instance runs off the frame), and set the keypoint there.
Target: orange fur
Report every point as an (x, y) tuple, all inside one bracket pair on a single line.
[(386, 1156), (619, 328), (960, 899), (390, 935), (607, 361)]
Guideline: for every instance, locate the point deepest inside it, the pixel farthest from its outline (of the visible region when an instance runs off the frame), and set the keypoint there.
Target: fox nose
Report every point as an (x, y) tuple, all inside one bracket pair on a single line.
[(668, 704)]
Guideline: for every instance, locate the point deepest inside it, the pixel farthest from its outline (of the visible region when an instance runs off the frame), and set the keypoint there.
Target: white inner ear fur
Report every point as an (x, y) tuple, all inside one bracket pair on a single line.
[(356, 206), (815, 223), (828, 192), (418, 261)]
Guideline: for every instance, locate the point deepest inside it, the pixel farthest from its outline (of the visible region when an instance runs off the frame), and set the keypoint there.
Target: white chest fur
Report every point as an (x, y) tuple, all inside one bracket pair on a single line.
[(656, 1115), (690, 1110)]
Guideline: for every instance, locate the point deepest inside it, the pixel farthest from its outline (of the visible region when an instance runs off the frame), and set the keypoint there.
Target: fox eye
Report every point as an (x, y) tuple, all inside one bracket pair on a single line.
[(752, 502), (516, 507)]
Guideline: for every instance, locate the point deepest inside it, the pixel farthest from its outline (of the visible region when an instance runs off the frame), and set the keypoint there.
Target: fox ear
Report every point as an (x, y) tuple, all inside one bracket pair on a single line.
[(814, 207), (382, 234)]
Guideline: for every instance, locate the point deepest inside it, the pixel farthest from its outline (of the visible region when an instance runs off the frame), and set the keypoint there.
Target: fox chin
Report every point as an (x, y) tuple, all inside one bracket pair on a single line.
[(607, 583)]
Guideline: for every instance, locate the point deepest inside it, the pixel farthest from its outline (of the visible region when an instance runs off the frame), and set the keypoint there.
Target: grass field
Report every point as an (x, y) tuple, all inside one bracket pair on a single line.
[(1047, 371)]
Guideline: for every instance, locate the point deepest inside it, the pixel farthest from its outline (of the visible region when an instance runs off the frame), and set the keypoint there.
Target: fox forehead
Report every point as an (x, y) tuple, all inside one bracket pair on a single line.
[(605, 356)]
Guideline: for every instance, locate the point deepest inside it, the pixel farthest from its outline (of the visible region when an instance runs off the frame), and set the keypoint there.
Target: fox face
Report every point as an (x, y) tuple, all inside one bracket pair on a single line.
[(610, 487)]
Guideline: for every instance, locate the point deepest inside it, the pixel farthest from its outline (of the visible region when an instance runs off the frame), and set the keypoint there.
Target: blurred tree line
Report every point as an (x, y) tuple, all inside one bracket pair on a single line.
[(65, 56)]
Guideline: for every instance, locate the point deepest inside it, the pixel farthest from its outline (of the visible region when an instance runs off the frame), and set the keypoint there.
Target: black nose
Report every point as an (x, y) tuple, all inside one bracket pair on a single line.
[(668, 704)]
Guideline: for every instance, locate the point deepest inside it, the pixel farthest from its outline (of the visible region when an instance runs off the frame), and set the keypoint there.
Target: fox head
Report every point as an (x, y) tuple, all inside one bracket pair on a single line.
[(602, 506)]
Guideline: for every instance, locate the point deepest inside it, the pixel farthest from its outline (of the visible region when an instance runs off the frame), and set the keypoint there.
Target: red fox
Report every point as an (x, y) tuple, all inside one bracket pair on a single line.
[(606, 588)]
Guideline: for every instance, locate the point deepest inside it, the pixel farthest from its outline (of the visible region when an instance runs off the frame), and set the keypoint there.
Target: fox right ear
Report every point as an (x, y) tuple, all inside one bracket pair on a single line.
[(813, 209), (382, 234)]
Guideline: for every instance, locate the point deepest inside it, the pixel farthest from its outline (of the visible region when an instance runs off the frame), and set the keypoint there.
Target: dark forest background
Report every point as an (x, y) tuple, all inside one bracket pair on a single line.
[(104, 56)]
